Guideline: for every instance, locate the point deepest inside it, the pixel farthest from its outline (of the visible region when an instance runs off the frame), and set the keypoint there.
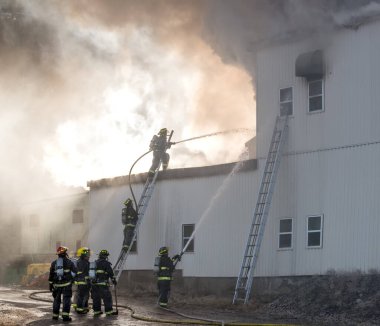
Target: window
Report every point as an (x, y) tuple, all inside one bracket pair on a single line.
[(77, 216), (187, 232), (314, 231), (285, 234), (286, 101), (34, 220), (316, 96)]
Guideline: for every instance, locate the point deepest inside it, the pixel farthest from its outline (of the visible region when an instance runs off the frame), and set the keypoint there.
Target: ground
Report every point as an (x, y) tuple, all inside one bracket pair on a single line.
[(349, 300)]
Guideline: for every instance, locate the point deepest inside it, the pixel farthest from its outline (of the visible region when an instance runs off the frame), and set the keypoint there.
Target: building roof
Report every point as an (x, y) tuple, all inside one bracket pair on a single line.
[(196, 172)]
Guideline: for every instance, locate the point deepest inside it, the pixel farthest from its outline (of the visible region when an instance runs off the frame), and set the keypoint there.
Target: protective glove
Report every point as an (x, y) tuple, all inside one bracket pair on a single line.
[(114, 282), (51, 288), (177, 257)]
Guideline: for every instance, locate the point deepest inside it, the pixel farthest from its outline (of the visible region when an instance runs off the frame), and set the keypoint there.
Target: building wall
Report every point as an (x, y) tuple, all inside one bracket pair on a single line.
[(330, 167), (352, 99), (53, 222), (330, 164), (217, 204)]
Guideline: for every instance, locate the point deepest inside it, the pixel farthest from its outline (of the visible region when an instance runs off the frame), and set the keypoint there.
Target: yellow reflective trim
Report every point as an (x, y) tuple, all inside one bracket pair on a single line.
[(164, 268), (65, 314), (80, 273), (62, 285), (100, 271), (103, 283), (81, 283), (164, 278)]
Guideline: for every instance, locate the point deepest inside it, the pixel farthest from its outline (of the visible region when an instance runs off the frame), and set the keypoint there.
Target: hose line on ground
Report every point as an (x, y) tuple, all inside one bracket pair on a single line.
[(190, 321)]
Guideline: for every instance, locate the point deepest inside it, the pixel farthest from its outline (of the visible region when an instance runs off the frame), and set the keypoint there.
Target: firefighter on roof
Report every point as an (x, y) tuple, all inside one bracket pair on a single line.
[(62, 273), (159, 144), (165, 267), (129, 219), (100, 284)]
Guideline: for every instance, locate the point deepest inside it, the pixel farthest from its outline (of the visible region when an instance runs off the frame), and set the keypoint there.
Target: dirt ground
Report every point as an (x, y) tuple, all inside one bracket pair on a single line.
[(349, 300)]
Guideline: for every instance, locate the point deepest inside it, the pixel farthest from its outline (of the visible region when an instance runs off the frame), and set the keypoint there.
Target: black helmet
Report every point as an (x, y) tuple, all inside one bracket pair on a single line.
[(163, 251), (103, 253)]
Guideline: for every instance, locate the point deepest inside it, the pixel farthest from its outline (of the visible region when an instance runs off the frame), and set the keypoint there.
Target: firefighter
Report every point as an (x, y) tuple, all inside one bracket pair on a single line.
[(165, 268), (100, 286), (62, 273), (129, 219), (159, 144), (82, 280)]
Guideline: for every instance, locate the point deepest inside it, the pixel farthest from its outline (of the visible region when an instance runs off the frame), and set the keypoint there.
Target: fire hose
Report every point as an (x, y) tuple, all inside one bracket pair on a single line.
[(190, 321)]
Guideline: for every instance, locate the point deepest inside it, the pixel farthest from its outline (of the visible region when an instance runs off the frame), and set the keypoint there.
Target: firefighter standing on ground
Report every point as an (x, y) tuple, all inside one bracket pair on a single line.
[(159, 144), (166, 267), (62, 273), (129, 219), (100, 285), (82, 280)]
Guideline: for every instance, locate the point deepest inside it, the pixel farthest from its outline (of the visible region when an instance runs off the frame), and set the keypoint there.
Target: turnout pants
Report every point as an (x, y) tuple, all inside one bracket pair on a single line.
[(82, 297), (99, 293), (65, 292), (163, 292), (128, 235), (157, 155)]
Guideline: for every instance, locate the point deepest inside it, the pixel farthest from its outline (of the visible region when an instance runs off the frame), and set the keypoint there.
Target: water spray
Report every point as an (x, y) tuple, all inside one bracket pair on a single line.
[(220, 190), (238, 130)]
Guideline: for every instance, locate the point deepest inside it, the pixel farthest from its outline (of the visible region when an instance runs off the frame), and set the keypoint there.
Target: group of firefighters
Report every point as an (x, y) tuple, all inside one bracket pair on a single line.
[(89, 277), (95, 277)]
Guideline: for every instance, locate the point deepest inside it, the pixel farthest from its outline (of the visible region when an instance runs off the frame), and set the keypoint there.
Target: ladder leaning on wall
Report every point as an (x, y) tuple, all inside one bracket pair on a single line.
[(142, 206), (244, 282)]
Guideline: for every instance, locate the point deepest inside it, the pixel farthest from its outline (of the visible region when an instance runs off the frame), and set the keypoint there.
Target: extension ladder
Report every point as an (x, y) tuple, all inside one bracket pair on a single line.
[(142, 206), (244, 282)]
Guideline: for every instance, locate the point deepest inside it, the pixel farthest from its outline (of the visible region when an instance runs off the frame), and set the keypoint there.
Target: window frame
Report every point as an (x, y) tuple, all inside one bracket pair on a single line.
[(283, 102), (185, 239), (77, 218), (314, 96), (285, 233), (314, 231)]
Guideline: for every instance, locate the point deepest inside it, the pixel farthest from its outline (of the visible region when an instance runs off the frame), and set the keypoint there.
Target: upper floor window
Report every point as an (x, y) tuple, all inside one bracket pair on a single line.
[(286, 101), (78, 216), (285, 234), (314, 231), (34, 220), (187, 232), (316, 96)]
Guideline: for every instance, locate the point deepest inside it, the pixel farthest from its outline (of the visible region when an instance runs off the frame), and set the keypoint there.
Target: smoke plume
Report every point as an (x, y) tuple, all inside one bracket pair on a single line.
[(86, 83)]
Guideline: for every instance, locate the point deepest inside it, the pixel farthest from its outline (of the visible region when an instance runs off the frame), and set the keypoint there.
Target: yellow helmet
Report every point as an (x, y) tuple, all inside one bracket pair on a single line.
[(83, 251), (163, 131)]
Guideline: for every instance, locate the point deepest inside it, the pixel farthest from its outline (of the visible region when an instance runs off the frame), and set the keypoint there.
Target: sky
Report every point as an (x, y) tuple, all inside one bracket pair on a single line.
[(85, 84)]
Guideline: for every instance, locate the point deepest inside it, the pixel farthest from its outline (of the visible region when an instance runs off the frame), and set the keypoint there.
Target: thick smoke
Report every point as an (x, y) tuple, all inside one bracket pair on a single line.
[(85, 84)]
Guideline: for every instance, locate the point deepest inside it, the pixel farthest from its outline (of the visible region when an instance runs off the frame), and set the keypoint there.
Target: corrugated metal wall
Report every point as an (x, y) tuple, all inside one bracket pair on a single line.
[(224, 204), (326, 173)]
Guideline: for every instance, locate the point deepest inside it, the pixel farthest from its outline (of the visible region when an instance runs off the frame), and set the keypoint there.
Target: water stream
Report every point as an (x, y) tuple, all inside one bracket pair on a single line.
[(213, 200)]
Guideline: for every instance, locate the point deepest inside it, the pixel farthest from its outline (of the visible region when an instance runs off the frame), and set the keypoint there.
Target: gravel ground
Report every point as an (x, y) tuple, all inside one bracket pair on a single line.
[(333, 300)]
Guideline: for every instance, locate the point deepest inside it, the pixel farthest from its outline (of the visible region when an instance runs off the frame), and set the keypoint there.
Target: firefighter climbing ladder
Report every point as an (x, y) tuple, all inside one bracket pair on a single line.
[(142, 206), (245, 279)]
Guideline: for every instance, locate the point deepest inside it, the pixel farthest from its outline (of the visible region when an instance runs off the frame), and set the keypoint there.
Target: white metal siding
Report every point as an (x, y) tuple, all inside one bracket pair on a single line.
[(219, 240)]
